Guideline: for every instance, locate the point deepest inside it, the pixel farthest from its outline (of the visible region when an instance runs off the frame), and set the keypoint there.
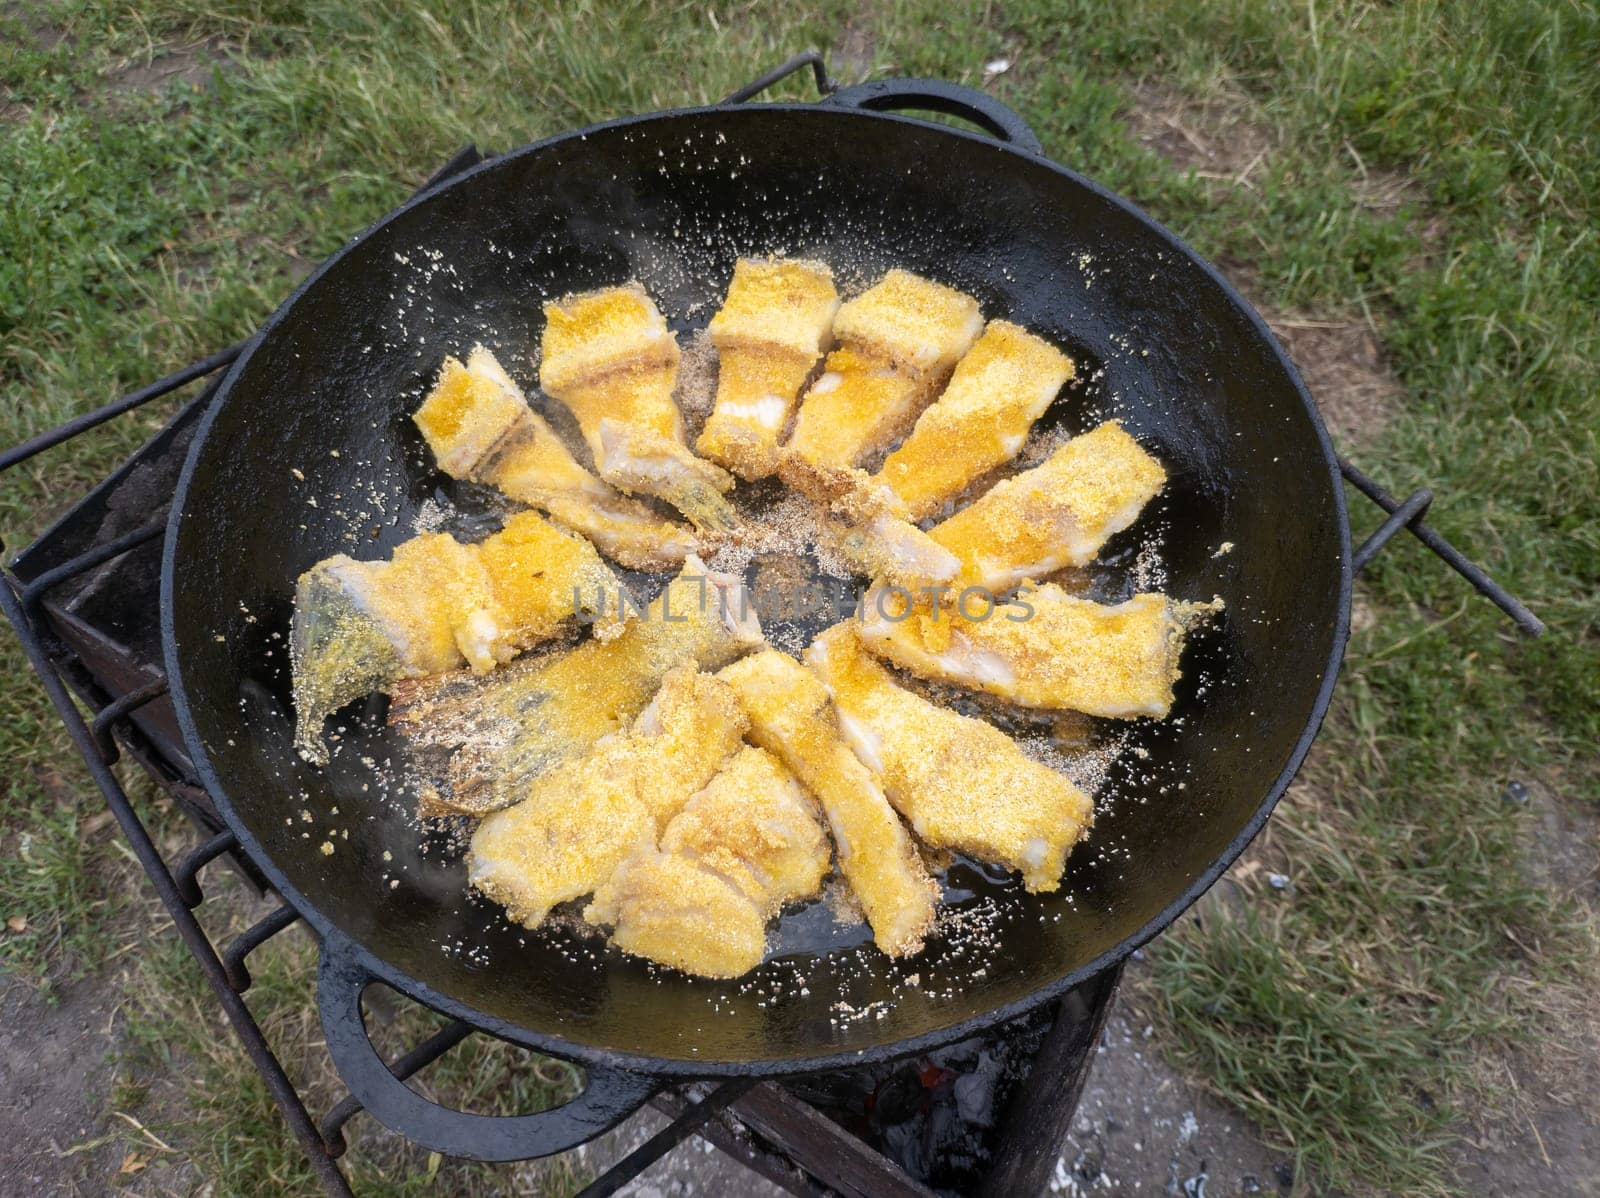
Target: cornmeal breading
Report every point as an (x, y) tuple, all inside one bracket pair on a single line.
[(756, 826), (360, 626), (479, 748), (1058, 514), (790, 716), (480, 427), (1049, 650), (868, 526), (898, 342), (747, 843), (859, 404), (911, 321), (590, 334), (668, 908), (469, 412), (586, 816), (961, 783), (610, 358), (779, 304), (771, 329), (1002, 385)]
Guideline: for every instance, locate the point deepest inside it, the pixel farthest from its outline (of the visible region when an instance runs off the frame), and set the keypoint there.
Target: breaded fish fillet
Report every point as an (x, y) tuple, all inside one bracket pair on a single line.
[(478, 747), (756, 826), (586, 816), (790, 715), (1058, 514), (770, 331), (961, 783), (1002, 385), (610, 358), (479, 425), (1047, 650), (868, 525), (898, 342), (359, 626), (741, 848), (670, 909)]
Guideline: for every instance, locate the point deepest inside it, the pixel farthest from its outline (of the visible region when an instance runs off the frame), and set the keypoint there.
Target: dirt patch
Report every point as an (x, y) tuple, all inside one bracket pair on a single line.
[(167, 67), (56, 1075), (1564, 851), (1221, 136), (39, 32), (1345, 367), (1142, 1129), (850, 60)]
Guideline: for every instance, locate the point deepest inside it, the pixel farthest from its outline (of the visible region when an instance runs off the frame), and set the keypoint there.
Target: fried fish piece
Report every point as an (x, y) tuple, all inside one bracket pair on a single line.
[(741, 848), (583, 818), (1000, 387), (1058, 514), (358, 627), (898, 342), (790, 715), (478, 747), (1047, 649), (610, 358), (756, 826), (479, 425), (669, 908), (769, 333), (868, 527), (961, 783), (912, 321)]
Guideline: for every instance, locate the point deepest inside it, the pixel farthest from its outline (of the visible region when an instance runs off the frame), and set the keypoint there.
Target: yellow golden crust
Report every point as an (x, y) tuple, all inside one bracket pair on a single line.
[(898, 341), (431, 584), (1002, 385), (466, 415), (535, 468), (1116, 661), (442, 602), (586, 816), (668, 908), (534, 570), (639, 397), (756, 826), (559, 707), (594, 333), (783, 305), (961, 783), (1058, 514), (479, 426), (744, 845), (609, 357), (919, 325), (859, 404), (756, 390), (360, 627), (791, 717), (771, 328)]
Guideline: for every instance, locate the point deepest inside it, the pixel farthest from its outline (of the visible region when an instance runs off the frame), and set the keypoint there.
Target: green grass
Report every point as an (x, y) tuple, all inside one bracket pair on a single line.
[(1348, 1016), (187, 1080)]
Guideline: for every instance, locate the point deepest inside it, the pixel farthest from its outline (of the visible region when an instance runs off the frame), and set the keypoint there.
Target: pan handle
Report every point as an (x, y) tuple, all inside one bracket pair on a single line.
[(952, 99), (609, 1095), (1408, 514)]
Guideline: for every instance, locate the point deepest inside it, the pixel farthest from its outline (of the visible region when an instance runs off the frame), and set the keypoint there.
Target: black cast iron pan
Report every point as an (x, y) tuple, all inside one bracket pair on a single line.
[(327, 389)]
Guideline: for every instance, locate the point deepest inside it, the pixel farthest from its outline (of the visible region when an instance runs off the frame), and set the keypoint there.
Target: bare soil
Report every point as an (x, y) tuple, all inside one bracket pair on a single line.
[(56, 1075)]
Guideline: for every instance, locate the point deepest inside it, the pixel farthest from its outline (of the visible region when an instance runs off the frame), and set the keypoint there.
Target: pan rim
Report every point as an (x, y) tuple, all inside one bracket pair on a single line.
[(330, 934)]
